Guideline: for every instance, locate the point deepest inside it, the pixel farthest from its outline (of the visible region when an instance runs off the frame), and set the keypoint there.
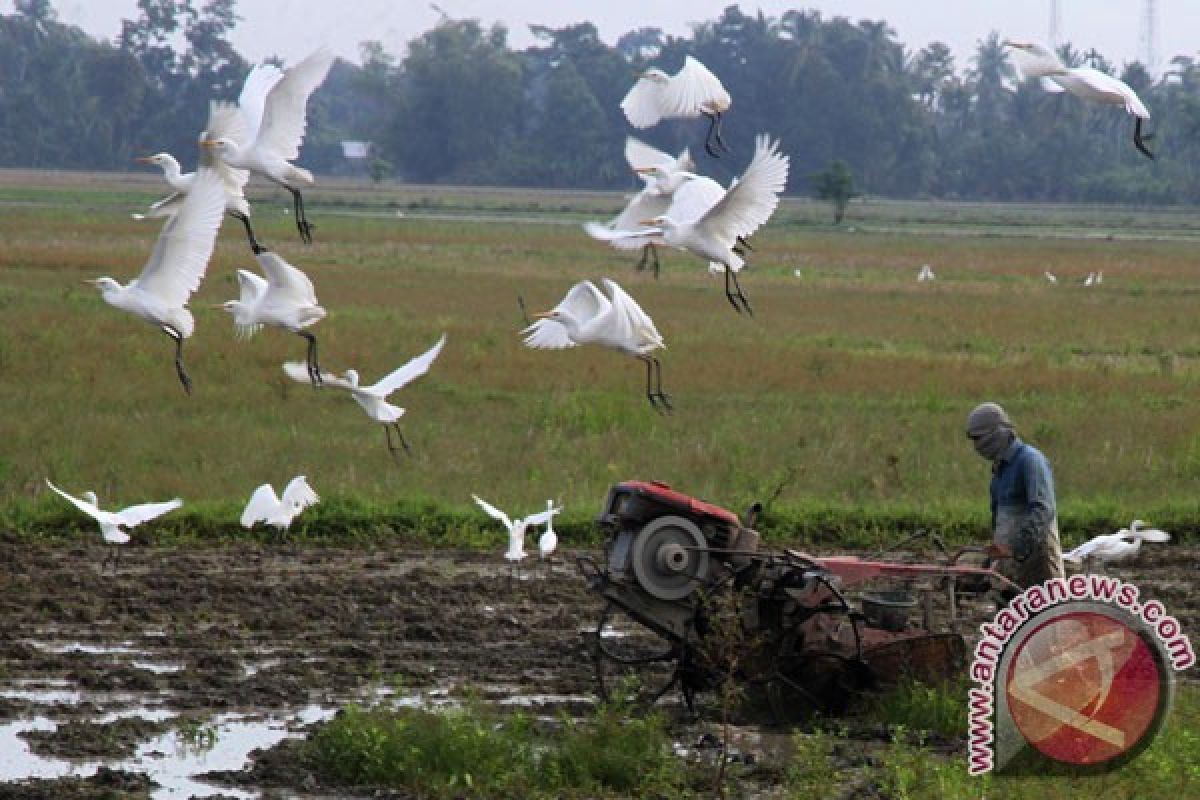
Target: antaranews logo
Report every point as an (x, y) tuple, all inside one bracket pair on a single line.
[(1076, 670)]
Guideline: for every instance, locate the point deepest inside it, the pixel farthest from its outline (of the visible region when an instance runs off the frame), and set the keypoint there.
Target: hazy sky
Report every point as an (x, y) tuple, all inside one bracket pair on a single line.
[(292, 28)]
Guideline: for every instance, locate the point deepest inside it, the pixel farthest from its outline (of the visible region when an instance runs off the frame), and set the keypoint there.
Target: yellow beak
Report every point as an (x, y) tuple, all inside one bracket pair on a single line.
[(144, 160), (544, 314)]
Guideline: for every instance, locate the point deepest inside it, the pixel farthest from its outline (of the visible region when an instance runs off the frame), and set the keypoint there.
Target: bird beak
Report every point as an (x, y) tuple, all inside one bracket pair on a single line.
[(644, 170), (92, 281), (647, 222), (1018, 45), (144, 160), (208, 143), (543, 315)]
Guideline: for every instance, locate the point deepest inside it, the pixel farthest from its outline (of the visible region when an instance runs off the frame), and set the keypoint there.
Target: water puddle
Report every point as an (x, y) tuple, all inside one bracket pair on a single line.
[(59, 648)]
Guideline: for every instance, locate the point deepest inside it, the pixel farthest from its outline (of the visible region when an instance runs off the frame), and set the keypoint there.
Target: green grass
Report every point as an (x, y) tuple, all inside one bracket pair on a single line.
[(852, 379)]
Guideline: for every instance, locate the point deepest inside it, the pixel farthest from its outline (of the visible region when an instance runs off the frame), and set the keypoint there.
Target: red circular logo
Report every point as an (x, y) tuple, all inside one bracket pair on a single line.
[(1086, 687)]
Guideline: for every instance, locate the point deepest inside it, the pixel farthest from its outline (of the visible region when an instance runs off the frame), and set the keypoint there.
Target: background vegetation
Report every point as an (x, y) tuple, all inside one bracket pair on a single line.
[(459, 105)]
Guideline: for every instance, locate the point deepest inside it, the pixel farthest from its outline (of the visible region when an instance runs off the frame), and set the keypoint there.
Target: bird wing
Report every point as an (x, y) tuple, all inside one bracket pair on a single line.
[(286, 279), (261, 505), (624, 239), (642, 104), (409, 372), (694, 199), (633, 321), (298, 372), (1087, 548), (692, 89), (584, 302), (546, 334), (166, 207), (224, 122), (1153, 535), (250, 287), (298, 492), (646, 204), (284, 111), (492, 511), (641, 155), (136, 515), (750, 202), (542, 517), (1099, 81), (253, 99), (186, 243), (1050, 85), (84, 506)]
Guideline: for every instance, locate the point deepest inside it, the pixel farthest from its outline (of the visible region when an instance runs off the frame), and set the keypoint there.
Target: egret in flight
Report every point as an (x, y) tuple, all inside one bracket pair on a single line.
[(718, 234), (277, 140), (587, 316), (285, 299), (373, 398), (160, 293), (1120, 546), (692, 92), (1083, 82), (266, 506), (113, 523), (516, 528), (224, 120)]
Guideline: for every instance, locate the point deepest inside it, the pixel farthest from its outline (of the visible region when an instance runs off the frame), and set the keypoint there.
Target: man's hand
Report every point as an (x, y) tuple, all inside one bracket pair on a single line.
[(998, 551)]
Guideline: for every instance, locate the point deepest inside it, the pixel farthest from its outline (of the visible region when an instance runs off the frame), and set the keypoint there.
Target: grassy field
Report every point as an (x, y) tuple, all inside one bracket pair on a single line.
[(846, 393)]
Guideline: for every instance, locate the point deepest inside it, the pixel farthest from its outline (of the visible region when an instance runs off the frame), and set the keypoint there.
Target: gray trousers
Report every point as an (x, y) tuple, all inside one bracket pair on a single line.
[(1044, 562)]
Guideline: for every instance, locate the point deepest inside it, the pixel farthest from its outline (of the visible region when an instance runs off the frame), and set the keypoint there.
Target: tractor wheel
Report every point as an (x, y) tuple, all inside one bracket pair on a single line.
[(634, 665), (804, 683)]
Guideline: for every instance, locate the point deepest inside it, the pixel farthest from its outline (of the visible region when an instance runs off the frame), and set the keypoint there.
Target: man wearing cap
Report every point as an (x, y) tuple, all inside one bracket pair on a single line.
[(1025, 546)]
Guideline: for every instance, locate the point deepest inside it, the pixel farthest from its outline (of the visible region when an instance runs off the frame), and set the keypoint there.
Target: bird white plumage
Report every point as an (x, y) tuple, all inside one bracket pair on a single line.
[(616, 321), (1050, 276), (692, 92), (516, 528), (285, 299), (175, 268), (926, 274), (373, 398), (1120, 546), (269, 150), (548, 541), (113, 523), (265, 506)]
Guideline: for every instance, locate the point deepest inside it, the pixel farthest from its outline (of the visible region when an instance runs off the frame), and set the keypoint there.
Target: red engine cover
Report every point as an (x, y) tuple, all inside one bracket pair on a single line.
[(669, 495)]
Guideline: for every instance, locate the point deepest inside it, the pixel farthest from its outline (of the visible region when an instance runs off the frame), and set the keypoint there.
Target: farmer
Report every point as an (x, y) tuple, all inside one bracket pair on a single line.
[(1025, 546)]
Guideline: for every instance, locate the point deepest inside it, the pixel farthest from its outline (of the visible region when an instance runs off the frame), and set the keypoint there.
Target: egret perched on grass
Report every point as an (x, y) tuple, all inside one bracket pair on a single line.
[(286, 299), (373, 398), (1120, 546), (160, 293), (1083, 82), (692, 92), (113, 523), (718, 234), (224, 120), (516, 528), (277, 140), (656, 169), (587, 316), (266, 506)]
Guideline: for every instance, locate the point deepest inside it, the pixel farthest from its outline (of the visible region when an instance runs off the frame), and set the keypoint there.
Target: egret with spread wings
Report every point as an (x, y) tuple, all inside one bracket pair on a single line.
[(1120, 546), (265, 506), (114, 523), (692, 92), (516, 528)]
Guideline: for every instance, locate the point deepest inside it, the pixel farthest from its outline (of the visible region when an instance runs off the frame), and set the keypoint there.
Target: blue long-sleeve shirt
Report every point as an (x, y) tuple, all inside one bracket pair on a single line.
[(1023, 488)]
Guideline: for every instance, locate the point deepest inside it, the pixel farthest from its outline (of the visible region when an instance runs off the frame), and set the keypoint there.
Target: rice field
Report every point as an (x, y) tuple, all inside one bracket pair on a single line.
[(844, 395)]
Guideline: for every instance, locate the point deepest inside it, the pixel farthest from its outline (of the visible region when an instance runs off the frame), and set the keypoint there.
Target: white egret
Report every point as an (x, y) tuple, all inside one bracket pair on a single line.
[(113, 523), (286, 299), (224, 120), (656, 169), (548, 541), (1083, 82), (277, 140), (176, 267), (587, 316), (265, 506), (1090, 279), (1120, 546), (1051, 277), (373, 398), (926, 274), (717, 234), (692, 92), (516, 528)]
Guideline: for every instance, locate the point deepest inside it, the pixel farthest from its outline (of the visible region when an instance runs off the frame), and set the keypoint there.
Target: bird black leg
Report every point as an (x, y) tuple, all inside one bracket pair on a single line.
[(388, 428), (717, 131), (708, 137), (654, 253), (655, 397), (736, 296), (245, 220), (1139, 141), (183, 376), (314, 369), (302, 223), (743, 243), (644, 261), (658, 390), (524, 313)]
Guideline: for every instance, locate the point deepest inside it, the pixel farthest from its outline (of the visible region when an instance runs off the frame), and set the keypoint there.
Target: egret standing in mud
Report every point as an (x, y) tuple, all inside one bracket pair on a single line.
[(516, 529)]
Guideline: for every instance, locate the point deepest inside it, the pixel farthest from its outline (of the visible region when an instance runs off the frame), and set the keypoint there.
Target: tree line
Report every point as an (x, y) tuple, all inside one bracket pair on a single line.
[(462, 106)]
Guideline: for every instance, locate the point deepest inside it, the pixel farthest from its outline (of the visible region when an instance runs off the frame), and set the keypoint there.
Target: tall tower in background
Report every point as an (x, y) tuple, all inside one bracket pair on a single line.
[(1148, 44), (1055, 24)]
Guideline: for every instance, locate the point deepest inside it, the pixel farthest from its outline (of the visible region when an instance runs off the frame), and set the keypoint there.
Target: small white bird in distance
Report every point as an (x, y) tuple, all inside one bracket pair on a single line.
[(926, 274), (718, 234), (373, 398), (112, 523), (286, 299), (516, 528), (1090, 279), (1051, 277), (277, 140), (692, 92), (1120, 546), (587, 316), (175, 269), (1087, 83), (548, 541), (224, 120), (266, 506), (656, 169)]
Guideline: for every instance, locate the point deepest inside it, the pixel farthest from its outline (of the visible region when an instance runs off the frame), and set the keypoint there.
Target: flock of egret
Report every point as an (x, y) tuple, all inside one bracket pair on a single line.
[(677, 207)]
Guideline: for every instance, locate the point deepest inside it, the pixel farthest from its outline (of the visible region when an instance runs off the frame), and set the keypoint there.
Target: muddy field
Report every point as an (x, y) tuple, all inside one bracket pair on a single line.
[(180, 661)]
